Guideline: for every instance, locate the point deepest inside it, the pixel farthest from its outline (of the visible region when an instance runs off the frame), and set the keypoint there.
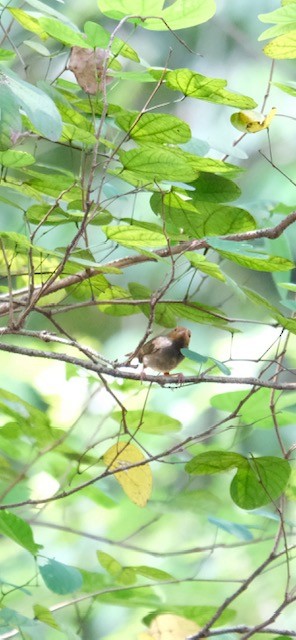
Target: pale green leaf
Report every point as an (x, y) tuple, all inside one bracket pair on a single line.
[(28, 22), (289, 87), (287, 323), (153, 162), (154, 127), (97, 36), (38, 47), (19, 531), (164, 313), (16, 159), (39, 108), (134, 237), (149, 422), (6, 55), (283, 47), (63, 33), (170, 163), (180, 14), (200, 263), (44, 615), (195, 85), (71, 133), (259, 262)]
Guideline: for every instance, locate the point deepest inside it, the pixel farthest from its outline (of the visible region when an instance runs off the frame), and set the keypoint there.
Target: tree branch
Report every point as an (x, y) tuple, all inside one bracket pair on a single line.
[(122, 263)]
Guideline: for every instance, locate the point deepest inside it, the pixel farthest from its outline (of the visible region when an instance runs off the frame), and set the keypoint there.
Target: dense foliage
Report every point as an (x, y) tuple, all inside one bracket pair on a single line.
[(139, 505)]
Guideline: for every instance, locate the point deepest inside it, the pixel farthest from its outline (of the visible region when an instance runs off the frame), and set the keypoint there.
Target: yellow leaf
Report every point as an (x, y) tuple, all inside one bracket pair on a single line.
[(251, 121), (168, 626), (137, 481)]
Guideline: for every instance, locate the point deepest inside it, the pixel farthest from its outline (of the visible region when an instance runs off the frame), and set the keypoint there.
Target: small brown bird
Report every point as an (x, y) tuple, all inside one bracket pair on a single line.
[(163, 353)]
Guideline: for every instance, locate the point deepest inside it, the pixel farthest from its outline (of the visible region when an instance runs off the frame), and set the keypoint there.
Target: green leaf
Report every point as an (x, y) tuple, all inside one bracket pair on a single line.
[(6, 55), (138, 597), (289, 87), (178, 15), (201, 614), (39, 108), (164, 314), (256, 410), (60, 578), (200, 263), (97, 36), (262, 481), (148, 422), (28, 22), (199, 313), (121, 48), (283, 47), (210, 462), (259, 262), (44, 615), (223, 368), (39, 213), (63, 33), (154, 127), (195, 85), (158, 163), (287, 323), (16, 159), (258, 481), (119, 293), (134, 237), (152, 573), (202, 219), (19, 531), (284, 18), (71, 133), (10, 121), (122, 575), (170, 163), (197, 357), (193, 355), (212, 188)]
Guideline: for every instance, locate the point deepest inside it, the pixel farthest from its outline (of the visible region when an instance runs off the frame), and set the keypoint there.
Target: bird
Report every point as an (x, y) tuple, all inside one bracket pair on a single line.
[(163, 353)]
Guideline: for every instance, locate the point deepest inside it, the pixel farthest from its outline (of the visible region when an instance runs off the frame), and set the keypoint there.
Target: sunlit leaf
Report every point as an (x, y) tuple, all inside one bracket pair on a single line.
[(136, 481), (148, 422), (168, 626), (62, 32), (177, 15), (19, 531), (154, 127), (44, 615), (195, 85)]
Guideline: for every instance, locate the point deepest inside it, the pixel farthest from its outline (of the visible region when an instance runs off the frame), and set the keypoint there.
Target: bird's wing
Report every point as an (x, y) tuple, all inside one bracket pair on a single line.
[(157, 343)]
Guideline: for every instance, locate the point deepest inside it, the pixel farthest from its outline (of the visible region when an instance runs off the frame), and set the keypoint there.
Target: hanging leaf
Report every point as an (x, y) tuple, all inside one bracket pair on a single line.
[(137, 481)]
